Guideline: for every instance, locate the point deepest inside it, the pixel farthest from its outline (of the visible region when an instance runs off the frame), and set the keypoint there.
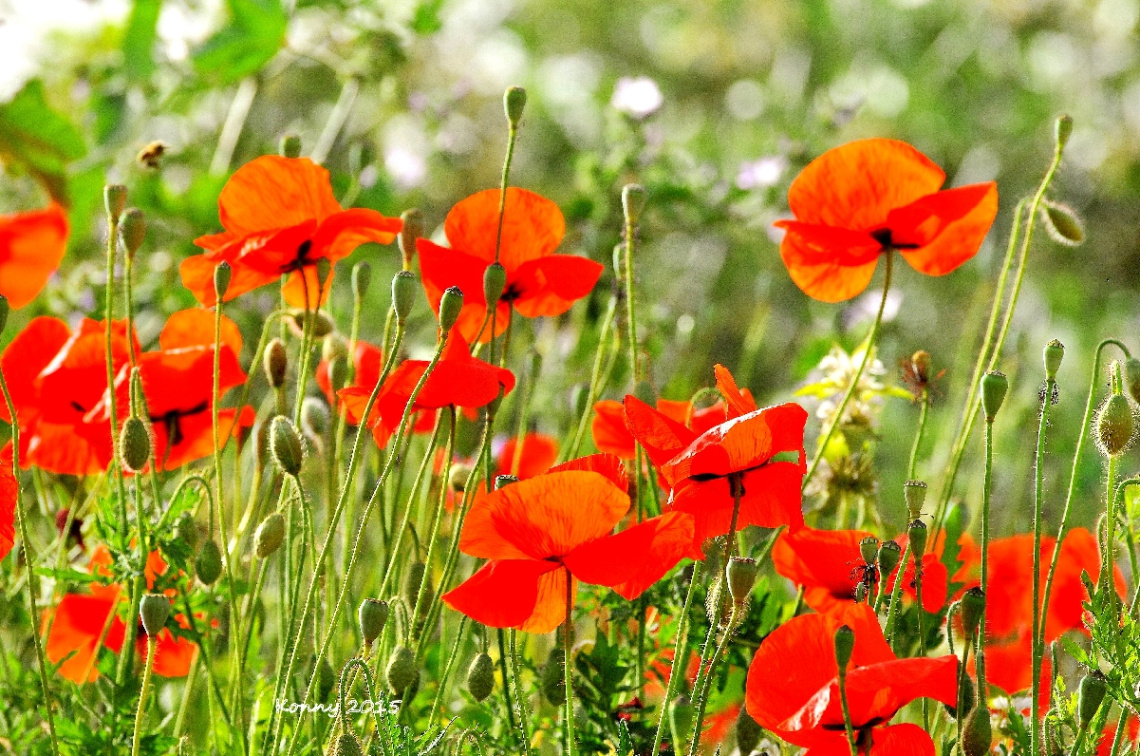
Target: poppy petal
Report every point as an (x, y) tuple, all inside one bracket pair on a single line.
[(661, 437), (195, 328), (8, 491), (901, 740), (550, 605), (32, 350), (172, 656), (636, 558), (31, 247), (274, 192), (603, 464), (831, 265), (609, 431), (341, 233), (503, 593), (550, 285), (532, 226), (947, 227), (536, 454), (197, 273), (441, 268), (738, 404), (302, 289)]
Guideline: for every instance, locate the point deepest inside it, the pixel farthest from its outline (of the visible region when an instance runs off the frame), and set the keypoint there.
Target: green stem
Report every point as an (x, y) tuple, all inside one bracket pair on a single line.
[(703, 697), (596, 376), (143, 694), (846, 710), (893, 609), (516, 680), (987, 493), (437, 705), (568, 668), (680, 651), (1038, 504), (912, 466)]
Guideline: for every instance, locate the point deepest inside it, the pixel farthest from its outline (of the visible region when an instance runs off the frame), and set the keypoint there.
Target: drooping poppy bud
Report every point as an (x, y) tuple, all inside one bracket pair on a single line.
[(633, 199), (1115, 426), (134, 444), (261, 442), (502, 481), (890, 554), (748, 732), (413, 581), (401, 670), (115, 200), (413, 228), (372, 615), (326, 678), (361, 278), (844, 647), (320, 323), (1132, 378), (869, 549), (347, 744), (977, 734), (741, 573), (973, 608), (223, 273), (458, 476), (1089, 696), (1062, 223), (1062, 130), (481, 676), (269, 536), (916, 534), (290, 146), (338, 373), (154, 609), (514, 101), (966, 698), (314, 416), (994, 388), (682, 715), (914, 493), (285, 445), (275, 362), (133, 227), (450, 305), (494, 282), (1052, 355), (403, 294), (208, 565), (186, 531)]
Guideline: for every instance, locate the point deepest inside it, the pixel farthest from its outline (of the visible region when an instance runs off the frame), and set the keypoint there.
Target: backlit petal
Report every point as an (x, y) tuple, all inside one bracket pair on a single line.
[(503, 593), (274, 192), (31, 247), (533, 226), (948, 227)]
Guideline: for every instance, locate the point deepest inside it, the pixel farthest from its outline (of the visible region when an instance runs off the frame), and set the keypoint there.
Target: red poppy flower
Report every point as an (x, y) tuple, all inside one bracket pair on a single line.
[(857, 201), (698, 467), (541, 532), (539, 282), (1104, 747), (367, 364), (793, 686), (458, 380), (281, 217), (539, 453), (827, 563), (31, 246), (612, 436), (8, 489)]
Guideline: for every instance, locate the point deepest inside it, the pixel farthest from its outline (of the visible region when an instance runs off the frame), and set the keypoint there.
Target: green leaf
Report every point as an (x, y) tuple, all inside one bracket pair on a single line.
[(138, 42), (952, 524), (253, 36), (39, 140)]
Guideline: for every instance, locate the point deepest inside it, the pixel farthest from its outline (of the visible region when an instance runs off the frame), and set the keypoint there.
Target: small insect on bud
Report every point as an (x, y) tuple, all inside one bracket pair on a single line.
[(346, 744), (633, 199), (1089, 697), (890, 554), (450, 305), (154, 609), (860, 592), (458, 476), (1062, 223), (1062, 130), (1115, 426), (372, 615), (290, 146), (502, 481), (682, 715), (741, 573), (481, 677), (285, 446), (133, 227), (916, 533), (1052, 355), (748, 732), (514, 101), (973, 607), (994, 388), (869, 549), (844, 647), (914, 493), (275, 362), (269, 536), (208, 565), (401, 670), (1131, 378), (314, 416), (494, 282), (361, 278), (403, 294), (115, 200), (413, 228), (223, 273), (977, 734), (134, 444)]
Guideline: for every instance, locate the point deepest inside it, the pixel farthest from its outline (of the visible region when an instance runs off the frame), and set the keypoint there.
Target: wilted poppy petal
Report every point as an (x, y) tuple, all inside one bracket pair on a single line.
[(273, 192), (661, 437), (550, 285), (533, 226), (503, 593), (31, 246), (636, 558), (609, 430)]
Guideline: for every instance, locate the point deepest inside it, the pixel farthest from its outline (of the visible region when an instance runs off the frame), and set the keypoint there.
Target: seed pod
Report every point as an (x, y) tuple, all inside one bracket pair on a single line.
[(373, 615), (115, 200), (869, 549), (285, 445), (914, 493), (321, 323), (458, 476), (741, 573), (514, 101), (275, 362), (208, 565), (134, 444), (1062, 130), (223, 274), (361, 278), (973, 608), (413, 229), (290, 146), (633, 199), (346, 744), (401, 670), (314, 416), (994, 388), (494, 282), (186, 531), (1052, 355), (270, 535), (1062, 223), (916, 534), (890, 553), (551, 679), (860, 592), (1115, 426), (1090, 695), (403, 294), (481, 677), (132, 227), (977, 735), (502, 481), (338, 373), (450, 305), (682, 715), (154, 609), (748, 732), (844, 646)]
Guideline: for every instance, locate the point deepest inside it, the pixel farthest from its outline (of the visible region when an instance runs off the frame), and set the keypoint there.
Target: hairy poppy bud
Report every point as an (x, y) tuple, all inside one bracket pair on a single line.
[(346, 744), (844, 646), (916, 533), (412, 582), (326, 678), (275, 362), (285, 445), (115, 200), (269, 536), (332, 346), (1052, 355), (320, 322), (133, 227), (361, 278), (977, 734), (412, 229), (208, 565), (514, 100), (290, 146), (401, 670), (154, 609), (914, 493), (966, 697), (869, 549), (4, 310), (223, 273), (458, 476), (1115, 426), (994, 388), (134, 444), (450, 304), (261, 442), (1090, 695), (973, 608), (682, 715), (186, 531), (633, 199), (502, 481), (314, 416), (338, 373), (741, 573), (372, 615), (403, 294), (890, 553), (748, 732), (1132, 378), (551, 680), (494, 282), (1062, 223), (1062, 130), (481, 676)]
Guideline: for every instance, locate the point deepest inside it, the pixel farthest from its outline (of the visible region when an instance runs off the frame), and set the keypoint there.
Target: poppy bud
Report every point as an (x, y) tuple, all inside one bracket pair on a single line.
[(966, 697), (290, 146), (338, 373), (994, 388), (748, 732), (1115, 426), (401, 670), (1062, 130), (372, 615), (494, 282), (741, 573), (914, 493), (186, 531), (844, 646), (208, 565), (1062, 223), (450, 305), (361, 277), (261, 439), (973, 607), (977, 735), (551, 680), (4, 310), (115, 200), (1052, 355), (502, 481), (403, 294), (275, 362), (682, 715), (314, 416), (458, 476), (412, 582), (633, 199), (154, 609), (481, 676), (869, 549), (269, 536), (321, 323), (1089, 697), (223, 273), (326, 679), (916, 533), (333, 346), (1131, 378), (890, 553), (285, 445), (514, 100), (133, 227), (134, 444), (412, 229), (346, 744)]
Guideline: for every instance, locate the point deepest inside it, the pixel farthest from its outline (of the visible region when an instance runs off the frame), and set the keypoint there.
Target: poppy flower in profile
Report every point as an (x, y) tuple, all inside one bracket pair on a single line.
[(281, 217), (793, 686), (556, 527), (539, 282), (538, 454), (612, 436), (828, 565), (367, 364), (458, 380), (31, 246), (762, 450), (858, 201)]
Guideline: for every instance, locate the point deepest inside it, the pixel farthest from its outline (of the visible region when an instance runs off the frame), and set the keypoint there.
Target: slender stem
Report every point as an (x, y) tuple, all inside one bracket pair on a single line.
[(437, 705), (680, 651), (1038, 503), (896, 598), (706, 687), (596, 380), (912, 466), (516, 680), (507, 703), (846, 710), (336, 120), (512, 137), (568, 668), (143, 694), (987, 494)]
